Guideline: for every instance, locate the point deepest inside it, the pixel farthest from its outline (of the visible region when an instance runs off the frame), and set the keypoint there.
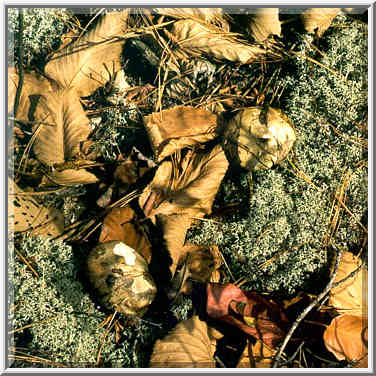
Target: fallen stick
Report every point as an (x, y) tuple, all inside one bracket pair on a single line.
[(306, 311)]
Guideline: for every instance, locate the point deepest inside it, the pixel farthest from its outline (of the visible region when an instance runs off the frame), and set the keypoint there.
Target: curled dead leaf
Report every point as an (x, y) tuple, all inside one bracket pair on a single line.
[(121, 278), (186, 184), (26, 214), (179, 127), (347, 338), (263, 23), (188, 345), (265, 319), (318, 19), (121, 224), (255, 145), (93, 59), (351, 296), (213, 41)]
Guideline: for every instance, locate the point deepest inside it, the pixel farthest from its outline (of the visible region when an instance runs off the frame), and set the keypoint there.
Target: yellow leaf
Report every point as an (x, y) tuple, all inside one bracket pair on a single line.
[(188, 345), (318, 19), (263, 23)]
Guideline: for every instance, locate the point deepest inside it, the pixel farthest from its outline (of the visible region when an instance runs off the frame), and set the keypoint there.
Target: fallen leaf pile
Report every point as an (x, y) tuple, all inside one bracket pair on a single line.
[(193, 145)]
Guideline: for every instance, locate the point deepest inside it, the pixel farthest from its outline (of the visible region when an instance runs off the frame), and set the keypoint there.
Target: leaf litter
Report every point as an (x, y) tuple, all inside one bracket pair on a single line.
[(139, 248)]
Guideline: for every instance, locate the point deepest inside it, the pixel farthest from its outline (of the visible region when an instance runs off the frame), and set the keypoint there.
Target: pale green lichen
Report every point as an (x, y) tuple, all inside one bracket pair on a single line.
[(287, 217)]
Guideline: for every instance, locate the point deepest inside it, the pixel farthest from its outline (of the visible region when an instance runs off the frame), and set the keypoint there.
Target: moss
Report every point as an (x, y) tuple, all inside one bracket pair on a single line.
[(287, 217)]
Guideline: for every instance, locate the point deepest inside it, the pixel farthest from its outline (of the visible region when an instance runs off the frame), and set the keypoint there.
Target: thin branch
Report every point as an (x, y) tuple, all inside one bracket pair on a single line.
[(306, 311)]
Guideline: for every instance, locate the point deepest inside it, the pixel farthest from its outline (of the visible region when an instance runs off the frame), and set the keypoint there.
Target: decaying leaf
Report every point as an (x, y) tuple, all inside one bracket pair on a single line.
[(26, 214), (174, 228), (263, 23), (215, 42), (121, 224), (351, 296), (61, 126), (347, 338), (179, 127), (257, 355), (33, 86), (208, 15), (198, 264), (185, 184), (255, 145), (188, 345), (318, 19), (265, 319), (121, 278), (93, 59)]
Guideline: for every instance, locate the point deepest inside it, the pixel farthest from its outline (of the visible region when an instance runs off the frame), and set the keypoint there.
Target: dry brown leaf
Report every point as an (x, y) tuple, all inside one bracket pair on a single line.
[(174, 228), (264, 22), (188, 345), (212, 41), (121, 277), (257, 355), (121, 224), (207, 15), (257, 146), (33, 86), (350, 296), (68, 177), (26, 214), (62, 126), (182, 126), (347, 338), (92, 60), (318, 19), (186, 184)]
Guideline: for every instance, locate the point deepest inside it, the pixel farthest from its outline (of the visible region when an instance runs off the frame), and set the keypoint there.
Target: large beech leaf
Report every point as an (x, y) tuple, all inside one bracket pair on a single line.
[(33, 86), (121, 224), (318, 19), (178, 127), (188, 345), (208, 15), (185, 184), (351, 295), (213, 41), (91, 60), (61, 127), (256, 145), (252, 313), (26, 214), (64, 126), (264, 22), (347, 338)]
